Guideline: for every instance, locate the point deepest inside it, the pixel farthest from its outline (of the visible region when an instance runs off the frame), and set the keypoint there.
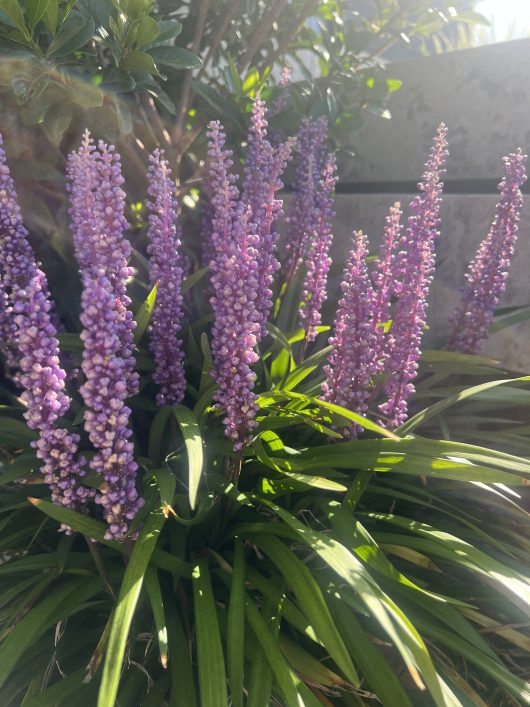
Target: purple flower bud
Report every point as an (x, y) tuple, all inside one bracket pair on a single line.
[(164, 269), (488, 271)]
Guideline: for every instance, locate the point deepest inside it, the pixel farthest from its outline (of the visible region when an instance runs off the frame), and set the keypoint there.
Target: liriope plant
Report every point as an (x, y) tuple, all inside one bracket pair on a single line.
[(252, 516)]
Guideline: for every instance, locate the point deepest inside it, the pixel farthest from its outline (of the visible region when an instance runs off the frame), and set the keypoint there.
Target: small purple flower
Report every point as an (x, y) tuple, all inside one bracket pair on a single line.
[(487, 273), (235, 283), (352, 364), (262, 179), (98, 223), (318, 261), (311, 157), (414, 270), (27, 303), (164, 265)]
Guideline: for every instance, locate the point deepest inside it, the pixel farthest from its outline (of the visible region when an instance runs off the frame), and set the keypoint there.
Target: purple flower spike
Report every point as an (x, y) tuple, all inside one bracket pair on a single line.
[(415, 268), (351, 363), (488, 271), (318, 261), (311, 157), (235, 283), (27, 315), (98, 223), (262, 179), (164, 263), (107, 415)]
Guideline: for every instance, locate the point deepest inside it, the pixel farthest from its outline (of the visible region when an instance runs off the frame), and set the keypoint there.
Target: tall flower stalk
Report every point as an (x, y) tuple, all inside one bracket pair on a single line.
[(311, 157), (235, 301), (414, 271), (27, 317), (98, 221), (351, 364), (318, 261), (164, 268), (262, 179), (488, 272)]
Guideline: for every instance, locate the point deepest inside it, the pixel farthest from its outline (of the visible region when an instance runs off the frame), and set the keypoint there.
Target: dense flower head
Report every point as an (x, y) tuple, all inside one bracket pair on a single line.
[(318, 261), (351, 363), (164, 268), (235, 283), (488, 271), (98, 224), (311, 148), (27, 313), (262, 179), (414, 270), (107, 415)]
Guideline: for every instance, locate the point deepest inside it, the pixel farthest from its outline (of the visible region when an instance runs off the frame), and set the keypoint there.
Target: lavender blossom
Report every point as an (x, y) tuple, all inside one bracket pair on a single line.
[(27, 315), (282, 101), (164, 264), (311, 157), (415, 269), (97, 211), (488, 271), (318, 261), (351, 364), (235, 282), (262, 179)]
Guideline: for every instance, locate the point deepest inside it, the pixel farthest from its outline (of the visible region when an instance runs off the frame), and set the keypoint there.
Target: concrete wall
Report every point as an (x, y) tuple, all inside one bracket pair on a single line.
[(483, 95)]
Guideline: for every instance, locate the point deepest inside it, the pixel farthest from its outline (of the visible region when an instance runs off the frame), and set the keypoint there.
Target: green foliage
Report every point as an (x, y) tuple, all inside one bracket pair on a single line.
[(322, 572)]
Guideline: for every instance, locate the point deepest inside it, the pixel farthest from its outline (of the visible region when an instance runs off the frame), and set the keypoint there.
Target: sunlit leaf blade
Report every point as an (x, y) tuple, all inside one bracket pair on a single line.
[(126, 606), (311, 601), (193, 441), (143, 315), (383, 609), (211, 664), (157, 607)]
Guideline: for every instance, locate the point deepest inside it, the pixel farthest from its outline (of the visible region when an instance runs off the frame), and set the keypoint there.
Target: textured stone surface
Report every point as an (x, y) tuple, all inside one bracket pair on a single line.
[(465, 222), (482, 94)]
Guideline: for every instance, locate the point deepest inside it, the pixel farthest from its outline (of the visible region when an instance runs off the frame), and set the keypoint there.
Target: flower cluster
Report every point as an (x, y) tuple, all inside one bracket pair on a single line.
[(361, 350), (98, 222), (488, 271), (27, 316), (164, 268), (235, 283), (350, 365), (318, 261), (311, 158), (414, 270), (262, 179)]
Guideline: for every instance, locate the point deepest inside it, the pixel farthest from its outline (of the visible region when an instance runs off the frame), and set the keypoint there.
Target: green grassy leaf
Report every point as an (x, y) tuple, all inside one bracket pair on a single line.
[(126, 606), (193, 441), (144, 314), (383, 609), (60, 602), (210, 658), (311, 601), (154, 593), (236, 627)]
